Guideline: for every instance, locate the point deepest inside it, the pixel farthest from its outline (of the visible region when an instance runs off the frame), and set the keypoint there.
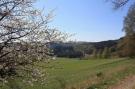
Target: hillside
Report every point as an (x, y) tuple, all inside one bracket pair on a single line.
[(78, 49)]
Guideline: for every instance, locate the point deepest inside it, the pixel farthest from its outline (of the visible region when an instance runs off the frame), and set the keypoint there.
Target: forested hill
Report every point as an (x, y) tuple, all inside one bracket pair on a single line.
[(78, 49)]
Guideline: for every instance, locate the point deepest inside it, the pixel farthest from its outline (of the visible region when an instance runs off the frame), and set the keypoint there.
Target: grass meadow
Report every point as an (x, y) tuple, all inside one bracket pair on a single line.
[(65, 73)]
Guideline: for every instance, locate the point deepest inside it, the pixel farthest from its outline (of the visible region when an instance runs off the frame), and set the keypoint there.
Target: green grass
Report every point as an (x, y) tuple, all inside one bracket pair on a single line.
[(70, 72), (91, 74)]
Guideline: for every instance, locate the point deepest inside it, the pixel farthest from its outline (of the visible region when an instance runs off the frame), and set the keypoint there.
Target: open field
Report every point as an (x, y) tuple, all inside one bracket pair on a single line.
[(86, 74)]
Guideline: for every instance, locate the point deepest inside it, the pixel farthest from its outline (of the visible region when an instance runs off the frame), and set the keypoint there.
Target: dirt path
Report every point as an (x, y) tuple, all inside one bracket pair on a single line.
[(127, 83)]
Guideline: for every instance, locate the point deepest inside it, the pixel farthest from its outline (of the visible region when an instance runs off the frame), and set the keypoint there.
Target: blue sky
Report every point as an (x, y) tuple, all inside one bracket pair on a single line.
[(89, 20)]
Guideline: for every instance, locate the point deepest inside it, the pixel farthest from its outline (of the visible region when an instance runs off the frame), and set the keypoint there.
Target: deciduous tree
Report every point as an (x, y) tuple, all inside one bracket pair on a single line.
[(119, 3), (127, 45), (24, 41)]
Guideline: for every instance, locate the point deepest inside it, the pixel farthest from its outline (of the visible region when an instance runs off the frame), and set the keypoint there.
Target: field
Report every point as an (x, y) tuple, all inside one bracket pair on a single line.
[(86, 74), (73, 73)]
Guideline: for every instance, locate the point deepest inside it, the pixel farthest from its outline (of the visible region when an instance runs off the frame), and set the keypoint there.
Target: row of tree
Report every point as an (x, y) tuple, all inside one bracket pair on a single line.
[(105, 53), (81, 49)]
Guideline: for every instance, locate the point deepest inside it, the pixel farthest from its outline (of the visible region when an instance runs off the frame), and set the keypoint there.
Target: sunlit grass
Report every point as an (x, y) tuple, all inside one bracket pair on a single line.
[(74, 73)]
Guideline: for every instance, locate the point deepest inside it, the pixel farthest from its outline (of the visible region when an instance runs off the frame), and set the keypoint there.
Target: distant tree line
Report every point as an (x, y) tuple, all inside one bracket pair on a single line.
[(83, 49), (65, 50)]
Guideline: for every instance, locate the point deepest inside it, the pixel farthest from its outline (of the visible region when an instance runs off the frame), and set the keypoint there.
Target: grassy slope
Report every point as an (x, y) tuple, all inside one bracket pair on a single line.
[(83, 73), (91, 74), (73, 71)]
